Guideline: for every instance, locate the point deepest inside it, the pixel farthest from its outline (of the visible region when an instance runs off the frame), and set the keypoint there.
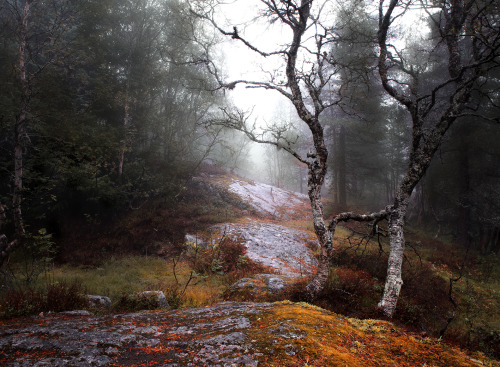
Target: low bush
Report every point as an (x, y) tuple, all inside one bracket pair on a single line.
[(350, 292), (55, 297), (136, 302), (227, 256), (355, 288)]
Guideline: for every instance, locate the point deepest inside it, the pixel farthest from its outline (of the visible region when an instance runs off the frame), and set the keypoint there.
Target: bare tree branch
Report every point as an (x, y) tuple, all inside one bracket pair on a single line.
[(238, 120)]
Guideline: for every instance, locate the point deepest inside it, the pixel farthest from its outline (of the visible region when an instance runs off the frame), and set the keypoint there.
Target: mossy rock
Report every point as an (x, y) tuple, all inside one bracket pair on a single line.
[(227, 334), (261, 287)]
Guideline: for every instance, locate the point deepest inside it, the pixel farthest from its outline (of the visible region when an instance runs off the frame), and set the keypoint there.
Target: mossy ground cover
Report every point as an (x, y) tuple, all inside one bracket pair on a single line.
[(334, 340)]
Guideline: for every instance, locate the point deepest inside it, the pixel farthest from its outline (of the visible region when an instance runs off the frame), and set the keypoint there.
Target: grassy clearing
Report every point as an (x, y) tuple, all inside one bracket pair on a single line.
[(116, 278), (198, 277)]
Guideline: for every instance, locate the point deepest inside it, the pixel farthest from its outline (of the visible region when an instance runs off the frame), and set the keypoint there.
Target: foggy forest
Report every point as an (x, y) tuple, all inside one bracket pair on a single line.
[(324, 172)]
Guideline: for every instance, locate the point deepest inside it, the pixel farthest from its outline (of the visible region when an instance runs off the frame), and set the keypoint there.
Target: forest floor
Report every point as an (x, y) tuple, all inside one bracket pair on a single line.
[(257, 232)]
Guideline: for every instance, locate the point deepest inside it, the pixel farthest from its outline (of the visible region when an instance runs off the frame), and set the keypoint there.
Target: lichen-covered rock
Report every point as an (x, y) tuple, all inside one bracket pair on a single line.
[(275, 246), (227, 334), (158, 296), (102, 302), (261, 287)]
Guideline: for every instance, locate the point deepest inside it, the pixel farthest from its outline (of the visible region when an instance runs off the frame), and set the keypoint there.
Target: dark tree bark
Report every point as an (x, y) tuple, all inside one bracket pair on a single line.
[(21, 122), (5, 246)]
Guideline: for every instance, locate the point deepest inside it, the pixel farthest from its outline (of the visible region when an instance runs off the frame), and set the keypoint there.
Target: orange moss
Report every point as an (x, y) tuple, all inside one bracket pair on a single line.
[(332, 340)]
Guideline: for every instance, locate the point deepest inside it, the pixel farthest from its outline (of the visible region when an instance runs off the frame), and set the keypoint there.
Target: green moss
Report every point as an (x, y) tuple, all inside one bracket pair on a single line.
[(368, 325)]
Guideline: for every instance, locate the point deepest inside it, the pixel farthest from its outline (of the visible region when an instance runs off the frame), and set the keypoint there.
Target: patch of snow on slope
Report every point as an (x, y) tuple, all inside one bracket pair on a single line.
[(267, 199), (275, 246)]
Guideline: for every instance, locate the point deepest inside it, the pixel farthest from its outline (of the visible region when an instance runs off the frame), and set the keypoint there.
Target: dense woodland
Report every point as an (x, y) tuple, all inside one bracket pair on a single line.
[(110, 105)]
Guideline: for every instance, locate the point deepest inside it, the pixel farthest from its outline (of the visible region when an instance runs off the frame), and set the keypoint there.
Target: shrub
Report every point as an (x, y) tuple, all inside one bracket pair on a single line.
[(55, 297), (355, 288), (228, 256), (350, 291), (136, 302)]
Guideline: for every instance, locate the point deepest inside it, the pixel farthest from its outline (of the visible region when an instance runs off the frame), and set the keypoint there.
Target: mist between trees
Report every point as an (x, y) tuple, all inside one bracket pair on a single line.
[(106, 105)]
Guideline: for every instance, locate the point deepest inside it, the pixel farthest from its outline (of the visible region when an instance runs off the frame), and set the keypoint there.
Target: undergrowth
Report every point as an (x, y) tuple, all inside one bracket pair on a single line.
[(355, 286), (197, 277), (156, 227), (55, 297)]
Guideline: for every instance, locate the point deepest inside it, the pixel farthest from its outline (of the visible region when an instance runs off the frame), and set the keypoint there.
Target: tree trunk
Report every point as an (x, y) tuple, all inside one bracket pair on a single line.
[(126, 123), (341, 157), (495, 241), (20, 126), (325, 237), (394, 280), (319, 281), (421, 204), (315, 179), (5, 246)]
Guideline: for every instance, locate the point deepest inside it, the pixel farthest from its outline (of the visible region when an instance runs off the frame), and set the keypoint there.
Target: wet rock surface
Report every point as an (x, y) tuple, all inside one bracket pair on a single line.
[(96, 301), (214, 336), (227, 334), (278, 247), (259, 287), (281, 248), (268, 200)]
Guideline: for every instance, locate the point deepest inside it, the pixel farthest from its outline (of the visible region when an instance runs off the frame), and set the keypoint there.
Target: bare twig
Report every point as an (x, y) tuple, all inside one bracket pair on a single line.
[(450, 296)]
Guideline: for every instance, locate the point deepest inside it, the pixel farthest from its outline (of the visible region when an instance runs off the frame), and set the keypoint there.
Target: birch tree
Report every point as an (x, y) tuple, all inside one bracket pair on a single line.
[(308, 78), (467, 40), (468, 33)]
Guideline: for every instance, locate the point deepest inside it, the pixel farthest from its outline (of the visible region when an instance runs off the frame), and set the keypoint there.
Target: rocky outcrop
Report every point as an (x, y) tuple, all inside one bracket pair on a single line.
[(157, 297), (101, 302), (269, 200), (227, 334), (261, 287), (272, 245)]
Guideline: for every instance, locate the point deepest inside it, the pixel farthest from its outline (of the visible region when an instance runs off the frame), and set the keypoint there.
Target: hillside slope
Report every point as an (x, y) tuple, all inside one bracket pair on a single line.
[(273, 225)]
